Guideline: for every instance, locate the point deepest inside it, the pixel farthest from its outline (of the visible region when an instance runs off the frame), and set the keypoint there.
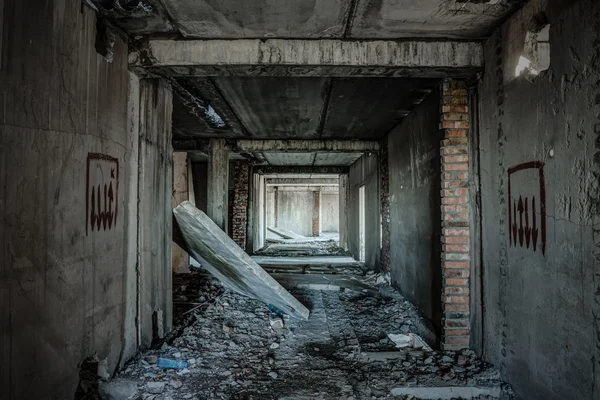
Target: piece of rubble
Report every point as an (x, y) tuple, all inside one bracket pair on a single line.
[(118, 389), (155, 387), (223, 258)]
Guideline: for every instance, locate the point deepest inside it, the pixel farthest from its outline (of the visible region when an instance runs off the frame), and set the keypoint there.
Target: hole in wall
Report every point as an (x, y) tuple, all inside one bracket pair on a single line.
[(536, 50)]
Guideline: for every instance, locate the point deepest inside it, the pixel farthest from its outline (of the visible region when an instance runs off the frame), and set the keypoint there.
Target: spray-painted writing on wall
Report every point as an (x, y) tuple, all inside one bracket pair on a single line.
[(101, 192), (527, 206)]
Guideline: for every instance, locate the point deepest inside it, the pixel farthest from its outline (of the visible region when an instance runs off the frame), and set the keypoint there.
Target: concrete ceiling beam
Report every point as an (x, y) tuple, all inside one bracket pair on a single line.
[(295, 146), (302, 182), (298, 57), (270, 170)]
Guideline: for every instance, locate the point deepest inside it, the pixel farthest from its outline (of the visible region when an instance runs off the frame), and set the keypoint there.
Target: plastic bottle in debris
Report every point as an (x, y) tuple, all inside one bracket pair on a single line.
[(172, 364)]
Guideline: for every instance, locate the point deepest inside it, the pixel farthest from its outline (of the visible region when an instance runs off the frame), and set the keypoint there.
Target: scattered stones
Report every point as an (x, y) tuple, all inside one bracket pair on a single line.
[(235, 352)]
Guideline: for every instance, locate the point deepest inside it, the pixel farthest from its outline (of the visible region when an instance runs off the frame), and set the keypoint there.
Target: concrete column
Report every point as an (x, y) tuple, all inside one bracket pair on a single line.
[(343, 211), (316, 225), (180, 258), (275, 206), (217, 183)]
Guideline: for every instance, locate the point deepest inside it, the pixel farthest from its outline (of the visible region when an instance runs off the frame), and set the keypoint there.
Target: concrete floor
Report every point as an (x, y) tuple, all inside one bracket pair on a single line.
[(341, 352)]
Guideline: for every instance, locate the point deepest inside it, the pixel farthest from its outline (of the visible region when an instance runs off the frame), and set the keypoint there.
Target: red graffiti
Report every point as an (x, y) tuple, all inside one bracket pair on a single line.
[(523, 230), (101, 192)]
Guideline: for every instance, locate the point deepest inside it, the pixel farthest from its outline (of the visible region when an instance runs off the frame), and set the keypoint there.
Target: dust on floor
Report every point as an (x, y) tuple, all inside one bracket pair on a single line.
[(341, 352)]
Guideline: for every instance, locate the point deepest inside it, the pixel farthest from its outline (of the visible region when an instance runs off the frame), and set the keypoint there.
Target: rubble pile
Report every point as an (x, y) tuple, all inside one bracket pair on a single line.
[(237, 348)]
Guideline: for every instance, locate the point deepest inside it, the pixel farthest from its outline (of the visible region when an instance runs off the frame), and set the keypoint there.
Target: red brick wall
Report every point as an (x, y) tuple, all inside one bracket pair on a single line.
[(239, 213), (454, 123)]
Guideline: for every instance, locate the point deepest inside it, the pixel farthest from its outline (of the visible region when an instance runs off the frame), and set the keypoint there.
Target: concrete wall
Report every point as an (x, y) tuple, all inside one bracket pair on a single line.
[(64, 132), (415, 216), (330, 216), (155, 210), (295, 210), (365, 171), (199, 176), (181, 192), (541, 303)]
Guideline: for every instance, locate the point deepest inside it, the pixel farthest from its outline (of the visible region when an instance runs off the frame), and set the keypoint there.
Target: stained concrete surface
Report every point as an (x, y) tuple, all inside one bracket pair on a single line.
[(415, 207), (235, 353), (220, 255), (541, 303), (365, 172)]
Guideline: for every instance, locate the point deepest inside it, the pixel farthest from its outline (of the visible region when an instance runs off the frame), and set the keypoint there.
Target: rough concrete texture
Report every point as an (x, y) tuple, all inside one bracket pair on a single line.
[(295, 210), (181, 260), (330, 216), (62, 290), (420, 55), (430, 18), (217, 253), (155, 216), (415, 216), (217, 183), (541, 293), (365, 172)]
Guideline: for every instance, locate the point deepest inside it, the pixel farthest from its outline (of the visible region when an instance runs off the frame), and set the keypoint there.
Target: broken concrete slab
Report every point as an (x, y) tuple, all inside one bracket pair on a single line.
[(224, 259), (307, 261), (284, 233), (324, 282), (447, 393)]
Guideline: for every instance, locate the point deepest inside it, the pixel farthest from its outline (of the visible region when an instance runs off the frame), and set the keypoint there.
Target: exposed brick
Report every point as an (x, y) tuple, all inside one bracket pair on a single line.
[(457, 299), (456, 323), (455, 159), (450, 116), (455, 109), (456, 340), (455, 216), (454, 200), (456, 273), (456, 257), (455, 100), (457, 332), (455, 93), (455, 192), (456, 282), (452, 150), (455, 133), (456, 264), (455, 167), (455, 232), (239, 206), (458, 248), (455, 307), (451, 290), (455, 142), (456, 239), (454, 184), (455, 125)]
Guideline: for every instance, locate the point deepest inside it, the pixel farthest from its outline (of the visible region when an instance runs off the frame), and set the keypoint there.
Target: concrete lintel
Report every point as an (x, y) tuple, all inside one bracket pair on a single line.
[(300, 54), (307, 146), (302, 182), (268, 169), (297, 146)]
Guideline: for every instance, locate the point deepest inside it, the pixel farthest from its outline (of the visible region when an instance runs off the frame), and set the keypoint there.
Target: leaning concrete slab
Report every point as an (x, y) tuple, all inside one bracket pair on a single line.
[(223, 258), (285, 233)]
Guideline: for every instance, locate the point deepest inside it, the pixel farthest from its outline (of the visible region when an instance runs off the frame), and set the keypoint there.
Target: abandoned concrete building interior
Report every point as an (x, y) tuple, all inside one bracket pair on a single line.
[(299, 199)]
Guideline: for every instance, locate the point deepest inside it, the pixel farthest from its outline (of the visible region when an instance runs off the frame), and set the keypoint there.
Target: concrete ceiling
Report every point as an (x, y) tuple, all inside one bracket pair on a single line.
[(320, 159), (297, 107), (348, 19)]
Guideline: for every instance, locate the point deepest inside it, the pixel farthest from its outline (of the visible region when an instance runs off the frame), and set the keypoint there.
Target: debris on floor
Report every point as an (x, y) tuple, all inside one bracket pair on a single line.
[(237, 348), (224, 259)]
